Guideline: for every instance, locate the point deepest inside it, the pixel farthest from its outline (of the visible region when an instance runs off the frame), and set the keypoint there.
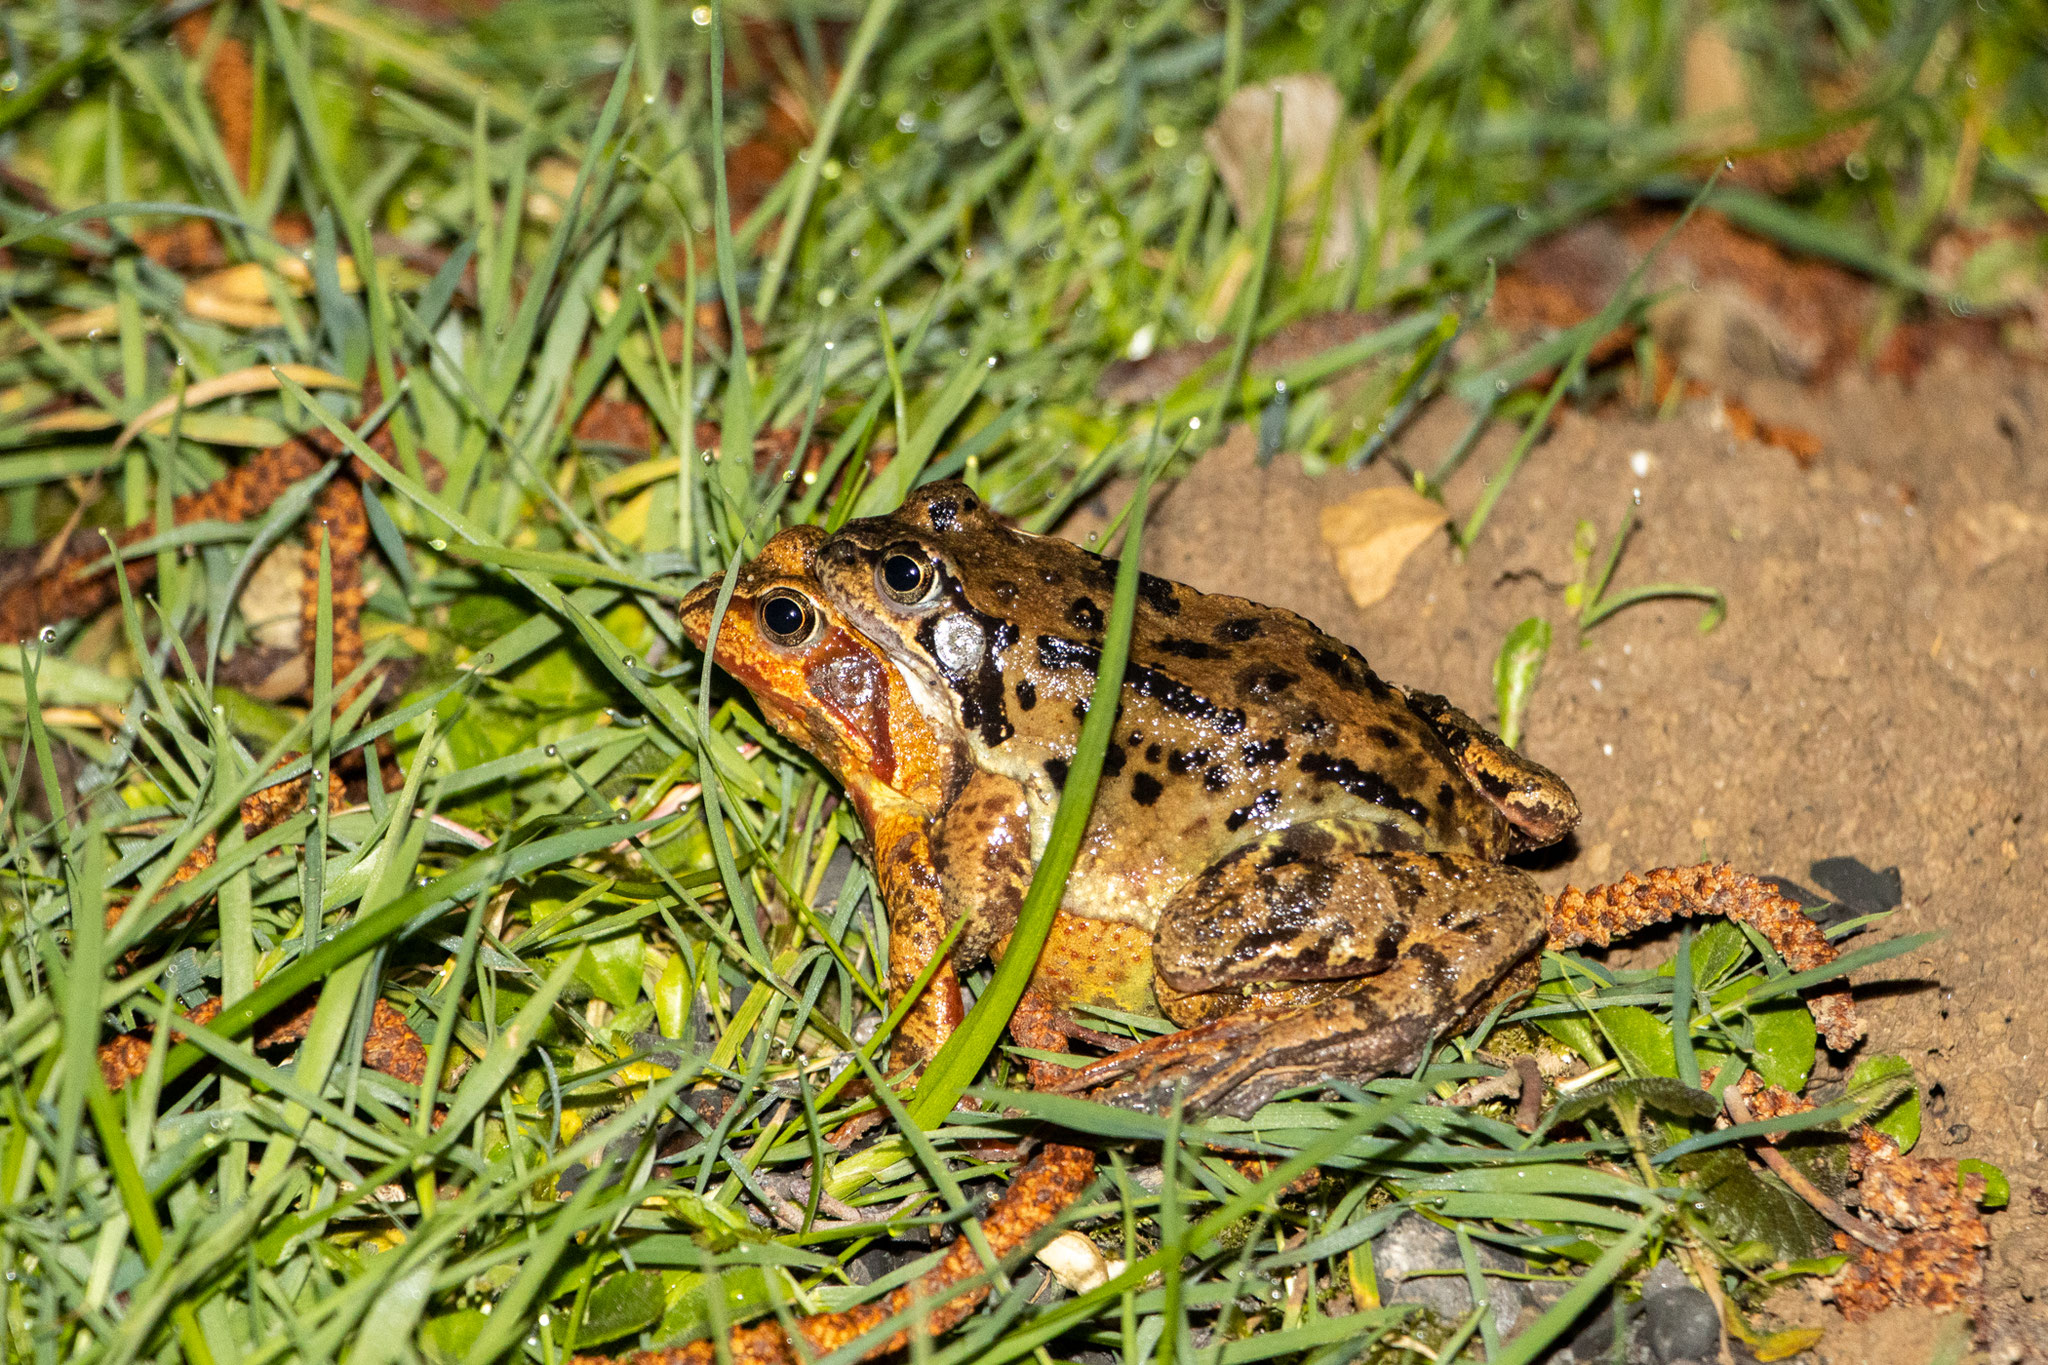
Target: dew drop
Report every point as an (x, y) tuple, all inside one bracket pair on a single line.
[(551, 751), (48, 635)]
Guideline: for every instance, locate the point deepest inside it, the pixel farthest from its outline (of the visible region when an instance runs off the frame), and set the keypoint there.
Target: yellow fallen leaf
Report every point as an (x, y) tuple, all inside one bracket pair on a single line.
[(254, 379), (1790, 1342), (1373, 534), (235, 297)]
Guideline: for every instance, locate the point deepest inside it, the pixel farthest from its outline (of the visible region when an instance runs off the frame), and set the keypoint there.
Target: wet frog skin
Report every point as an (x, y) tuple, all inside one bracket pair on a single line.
[(1287, 856)]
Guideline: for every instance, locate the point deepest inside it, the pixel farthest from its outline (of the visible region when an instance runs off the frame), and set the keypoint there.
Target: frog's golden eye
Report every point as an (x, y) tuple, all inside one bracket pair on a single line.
[(788, 619), (907, 575)]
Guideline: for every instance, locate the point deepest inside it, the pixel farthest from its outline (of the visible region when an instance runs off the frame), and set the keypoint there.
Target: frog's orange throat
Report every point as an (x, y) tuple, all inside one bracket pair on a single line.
[(841, 700)]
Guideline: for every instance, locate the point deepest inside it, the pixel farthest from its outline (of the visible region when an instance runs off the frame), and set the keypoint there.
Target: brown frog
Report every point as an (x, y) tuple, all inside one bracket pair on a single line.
[(1298, 863)]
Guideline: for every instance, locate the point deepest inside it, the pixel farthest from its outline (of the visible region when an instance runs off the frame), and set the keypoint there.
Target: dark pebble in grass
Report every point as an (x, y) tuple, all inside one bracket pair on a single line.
[(1411, 1259), (1859, 888), (1679, 1322)]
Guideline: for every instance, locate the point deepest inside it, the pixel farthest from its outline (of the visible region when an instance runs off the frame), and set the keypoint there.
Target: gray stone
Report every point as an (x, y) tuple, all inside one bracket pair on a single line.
[(1680, 1324), (1414, 1245)]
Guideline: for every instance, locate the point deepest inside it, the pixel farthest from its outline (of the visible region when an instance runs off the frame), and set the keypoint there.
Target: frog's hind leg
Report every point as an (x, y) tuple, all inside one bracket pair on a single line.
[(1431, 934)]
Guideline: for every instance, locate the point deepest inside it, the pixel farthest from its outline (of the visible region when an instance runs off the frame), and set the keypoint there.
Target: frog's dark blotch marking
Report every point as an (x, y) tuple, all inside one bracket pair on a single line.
[(1182, 647), (1179, 698), (1366, 786), (1081, 708), (1263, 805), (1162, 596), (1264, 752), (1314, 724), (1152, 751), (944, 514), (1048, 576), (1113, 760), (1005, 635), (1446, 796), (1179, 763), (1329, 661), (1237, 629), (1056, 651), (1280, 857), (1435, 965), (1263, 680), (1083, 615), (1027, 694), (980, 688), (1056, 769), (1386, 736), (1145, 788), (1215, 779), (1005, 590)]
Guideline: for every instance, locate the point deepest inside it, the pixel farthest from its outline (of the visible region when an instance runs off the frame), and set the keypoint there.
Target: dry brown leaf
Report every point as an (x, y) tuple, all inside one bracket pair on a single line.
[(271, 601), (1714, 88), (1312, 132), (1372, 535)]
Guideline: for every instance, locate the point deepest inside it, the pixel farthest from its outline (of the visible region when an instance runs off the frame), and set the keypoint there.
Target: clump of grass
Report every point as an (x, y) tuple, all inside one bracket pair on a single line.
[(505, 224)]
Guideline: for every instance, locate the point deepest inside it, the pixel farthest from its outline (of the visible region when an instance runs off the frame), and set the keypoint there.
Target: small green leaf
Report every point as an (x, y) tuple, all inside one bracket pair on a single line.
[(447, 1339), (672, 997), (612, 969), (1785, 1040), (624, 1303), (1886, 1098), (1515, 671), (1997, 1189), (1640, 1039), (747, 1294), (1655, 1092)]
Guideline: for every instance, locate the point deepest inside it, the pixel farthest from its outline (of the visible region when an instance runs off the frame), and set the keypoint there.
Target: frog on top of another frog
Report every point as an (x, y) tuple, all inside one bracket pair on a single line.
[(1299, 864)]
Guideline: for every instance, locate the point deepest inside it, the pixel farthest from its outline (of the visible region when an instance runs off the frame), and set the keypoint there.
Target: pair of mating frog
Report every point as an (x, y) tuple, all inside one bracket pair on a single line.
[(1299, 864)]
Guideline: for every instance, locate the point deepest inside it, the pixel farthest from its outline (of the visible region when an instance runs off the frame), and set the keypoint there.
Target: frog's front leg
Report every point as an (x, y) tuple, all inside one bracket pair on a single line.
[(1408, 944), (911, 894)]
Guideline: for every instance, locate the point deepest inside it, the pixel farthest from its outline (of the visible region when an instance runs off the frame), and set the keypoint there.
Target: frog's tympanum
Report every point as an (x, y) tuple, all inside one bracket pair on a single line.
[(1298, 863)]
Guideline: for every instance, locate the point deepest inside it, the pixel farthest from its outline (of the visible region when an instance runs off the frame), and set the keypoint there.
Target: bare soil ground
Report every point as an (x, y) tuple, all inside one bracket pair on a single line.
[(1877, 690)]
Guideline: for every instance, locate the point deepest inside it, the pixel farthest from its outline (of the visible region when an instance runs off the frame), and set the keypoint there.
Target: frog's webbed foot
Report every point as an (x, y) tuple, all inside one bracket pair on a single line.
[(1639, 900)]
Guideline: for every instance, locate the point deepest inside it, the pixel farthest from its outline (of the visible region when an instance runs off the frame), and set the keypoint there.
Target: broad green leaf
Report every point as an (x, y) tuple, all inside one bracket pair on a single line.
[(1744, 1205)]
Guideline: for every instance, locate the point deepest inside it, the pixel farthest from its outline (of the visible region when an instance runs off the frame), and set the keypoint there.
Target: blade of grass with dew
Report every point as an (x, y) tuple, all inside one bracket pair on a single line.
[(959, 1059)]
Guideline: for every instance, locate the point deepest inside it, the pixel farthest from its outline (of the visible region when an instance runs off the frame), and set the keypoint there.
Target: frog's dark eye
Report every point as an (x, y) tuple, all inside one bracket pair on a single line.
[(907, 576), (788, 619)]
